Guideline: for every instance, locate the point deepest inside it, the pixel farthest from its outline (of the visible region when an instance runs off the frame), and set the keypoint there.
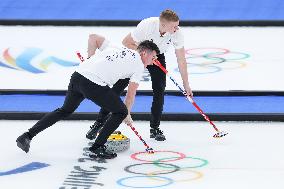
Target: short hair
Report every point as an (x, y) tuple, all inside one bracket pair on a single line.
[(169, 15), (148, 45)]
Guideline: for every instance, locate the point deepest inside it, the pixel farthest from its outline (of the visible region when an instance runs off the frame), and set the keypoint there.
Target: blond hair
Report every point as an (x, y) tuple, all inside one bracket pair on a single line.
[(169, 15)]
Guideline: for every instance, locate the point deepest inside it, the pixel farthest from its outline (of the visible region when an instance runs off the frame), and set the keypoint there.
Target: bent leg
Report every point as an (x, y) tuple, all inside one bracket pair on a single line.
[(72, 101), (118, 89), (106, 98)]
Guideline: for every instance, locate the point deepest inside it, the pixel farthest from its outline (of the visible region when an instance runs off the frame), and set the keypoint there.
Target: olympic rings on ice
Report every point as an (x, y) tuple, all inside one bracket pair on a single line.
[(153, 174)]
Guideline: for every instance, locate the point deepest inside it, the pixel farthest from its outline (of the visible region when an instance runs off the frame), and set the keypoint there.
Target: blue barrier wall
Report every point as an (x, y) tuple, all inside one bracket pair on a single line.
[(195, 10)]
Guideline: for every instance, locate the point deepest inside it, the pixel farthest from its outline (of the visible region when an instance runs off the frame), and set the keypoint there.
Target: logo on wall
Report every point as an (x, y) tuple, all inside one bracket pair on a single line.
[(212, 60), (30, 60)]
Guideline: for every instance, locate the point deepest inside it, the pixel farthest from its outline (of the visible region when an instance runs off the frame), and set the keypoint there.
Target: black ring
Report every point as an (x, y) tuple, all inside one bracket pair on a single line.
[(176, 168)]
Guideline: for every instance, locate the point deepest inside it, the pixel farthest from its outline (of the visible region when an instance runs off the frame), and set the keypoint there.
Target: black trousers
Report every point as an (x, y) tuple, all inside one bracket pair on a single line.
[(80, 88), (158, 78)]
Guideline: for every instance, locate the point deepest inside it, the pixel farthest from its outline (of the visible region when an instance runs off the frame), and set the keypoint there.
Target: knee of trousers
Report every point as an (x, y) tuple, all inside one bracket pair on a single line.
[(62, 112)]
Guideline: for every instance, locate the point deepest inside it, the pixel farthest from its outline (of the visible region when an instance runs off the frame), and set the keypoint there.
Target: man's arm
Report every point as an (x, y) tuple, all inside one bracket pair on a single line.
[(94, 42), (182, 65), (130, 95), (129, 100), (129, 42)]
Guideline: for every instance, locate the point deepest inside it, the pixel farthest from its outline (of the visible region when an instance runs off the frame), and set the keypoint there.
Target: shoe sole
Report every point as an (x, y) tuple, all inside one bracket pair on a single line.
[(96, 156), (22, 147), (160, 139), (90, 137)]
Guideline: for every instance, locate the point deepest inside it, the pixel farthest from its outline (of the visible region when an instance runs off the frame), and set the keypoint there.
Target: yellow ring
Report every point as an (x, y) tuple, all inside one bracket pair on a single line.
[(198, 175)]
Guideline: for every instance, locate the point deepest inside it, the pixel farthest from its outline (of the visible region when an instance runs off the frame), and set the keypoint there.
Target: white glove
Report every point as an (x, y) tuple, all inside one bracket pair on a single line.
[(128, 119)]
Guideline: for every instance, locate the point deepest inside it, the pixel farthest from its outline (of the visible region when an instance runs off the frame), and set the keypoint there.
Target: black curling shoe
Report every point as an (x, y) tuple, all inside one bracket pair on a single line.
[(157, 133), (94, 130), (101, 152), (23, 142)]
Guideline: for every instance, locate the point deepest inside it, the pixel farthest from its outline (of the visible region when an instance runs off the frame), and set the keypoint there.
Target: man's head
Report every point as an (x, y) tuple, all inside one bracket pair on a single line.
[(148, 52), (169, 21)]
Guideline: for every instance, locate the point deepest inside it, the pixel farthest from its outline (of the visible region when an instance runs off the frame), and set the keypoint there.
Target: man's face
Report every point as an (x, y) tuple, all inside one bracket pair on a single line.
[(171, 27), (148, 57)]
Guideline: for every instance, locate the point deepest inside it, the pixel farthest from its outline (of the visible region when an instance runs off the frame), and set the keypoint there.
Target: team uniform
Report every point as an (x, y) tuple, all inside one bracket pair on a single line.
[(92, 80), (103, 69), (148, 29)]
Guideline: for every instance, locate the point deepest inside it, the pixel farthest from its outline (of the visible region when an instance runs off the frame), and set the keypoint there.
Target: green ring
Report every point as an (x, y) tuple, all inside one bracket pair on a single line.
[(205, 162)]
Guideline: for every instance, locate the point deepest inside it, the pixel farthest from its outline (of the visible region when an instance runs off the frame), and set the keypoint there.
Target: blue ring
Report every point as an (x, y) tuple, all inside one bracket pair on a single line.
[(119, 182)]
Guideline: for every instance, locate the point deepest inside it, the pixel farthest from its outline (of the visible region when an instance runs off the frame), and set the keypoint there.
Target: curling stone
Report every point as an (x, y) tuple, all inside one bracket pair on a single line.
[(117, 142)]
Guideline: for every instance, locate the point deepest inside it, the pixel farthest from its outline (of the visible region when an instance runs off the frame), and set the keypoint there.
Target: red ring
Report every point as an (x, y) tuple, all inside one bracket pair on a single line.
[(223, 51), (181, 156)]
